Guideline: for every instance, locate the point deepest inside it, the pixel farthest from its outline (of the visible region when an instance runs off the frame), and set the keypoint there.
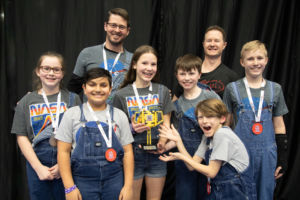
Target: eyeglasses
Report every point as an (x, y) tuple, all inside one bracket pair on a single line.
[(114, 26), (47, 69)]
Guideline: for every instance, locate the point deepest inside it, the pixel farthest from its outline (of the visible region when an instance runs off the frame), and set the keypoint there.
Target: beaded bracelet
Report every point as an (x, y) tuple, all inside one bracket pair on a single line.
[(70, 189)]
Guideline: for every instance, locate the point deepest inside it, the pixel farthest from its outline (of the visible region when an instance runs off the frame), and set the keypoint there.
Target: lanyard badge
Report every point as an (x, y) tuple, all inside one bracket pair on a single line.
[(54, 121), (110, 153), (105, 60), (257, 127)]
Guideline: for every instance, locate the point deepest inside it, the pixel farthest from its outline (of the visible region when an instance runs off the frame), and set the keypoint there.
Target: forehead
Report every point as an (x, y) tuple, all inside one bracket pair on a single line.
[(213, 34), (99, 80), (254, 53), (148, 56), (182, 70), (51, 60), (117, 19)]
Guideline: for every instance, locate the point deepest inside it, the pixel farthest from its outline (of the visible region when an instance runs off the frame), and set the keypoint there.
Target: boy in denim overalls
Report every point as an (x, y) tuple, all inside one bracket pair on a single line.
[(189, 185), (99, 139), (258, 106), (225, 154)]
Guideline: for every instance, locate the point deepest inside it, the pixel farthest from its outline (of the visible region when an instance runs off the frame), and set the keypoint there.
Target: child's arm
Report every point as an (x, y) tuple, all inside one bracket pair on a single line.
[(42, 171), (162, 140), (281, 140), (63, 160), (128, 163)]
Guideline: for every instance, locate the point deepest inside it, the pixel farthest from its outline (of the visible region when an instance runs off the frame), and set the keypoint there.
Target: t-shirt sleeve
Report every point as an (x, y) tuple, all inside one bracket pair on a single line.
[(221, 148), (117, 101), (168, 106), (19, 122), (125, 132), (280, 107), (65, 129), (202, 148), (79, 69)]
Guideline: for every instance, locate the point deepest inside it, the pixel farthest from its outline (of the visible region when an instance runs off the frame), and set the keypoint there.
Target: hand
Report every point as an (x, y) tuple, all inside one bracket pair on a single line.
[(138, 127), (54, 170), (126, 193), (74, 195), (277, 173), (169, 133), (44, 173), (172, 156), (161, 146)]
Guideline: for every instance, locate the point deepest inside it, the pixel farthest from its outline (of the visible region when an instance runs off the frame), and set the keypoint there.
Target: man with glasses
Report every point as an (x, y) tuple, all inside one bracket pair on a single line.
[(111, 55)]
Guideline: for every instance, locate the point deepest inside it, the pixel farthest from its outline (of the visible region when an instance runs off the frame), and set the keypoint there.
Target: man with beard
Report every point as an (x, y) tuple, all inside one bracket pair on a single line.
[(214, 73), (111, 55)]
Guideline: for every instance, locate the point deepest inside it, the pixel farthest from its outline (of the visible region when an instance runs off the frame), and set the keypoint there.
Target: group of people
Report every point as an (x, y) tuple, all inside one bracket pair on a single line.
[(128, 126)]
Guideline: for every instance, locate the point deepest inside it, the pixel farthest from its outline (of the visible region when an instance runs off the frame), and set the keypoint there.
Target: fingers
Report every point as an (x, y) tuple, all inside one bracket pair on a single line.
[(277, 173)]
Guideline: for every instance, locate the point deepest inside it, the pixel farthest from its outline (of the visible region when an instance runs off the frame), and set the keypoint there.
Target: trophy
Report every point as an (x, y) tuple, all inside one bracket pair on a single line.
[(150, 119)]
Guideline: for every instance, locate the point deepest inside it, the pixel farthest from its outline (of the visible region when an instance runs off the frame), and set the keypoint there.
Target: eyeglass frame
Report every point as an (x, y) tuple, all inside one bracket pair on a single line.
[(114, 26), (58, 69)]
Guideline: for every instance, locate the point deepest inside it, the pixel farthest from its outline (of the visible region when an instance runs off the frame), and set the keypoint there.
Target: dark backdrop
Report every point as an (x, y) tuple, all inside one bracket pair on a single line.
[(173, 27)]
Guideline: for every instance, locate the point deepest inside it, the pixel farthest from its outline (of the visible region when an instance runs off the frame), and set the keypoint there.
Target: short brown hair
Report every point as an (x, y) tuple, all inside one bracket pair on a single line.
[(253, 45), (211, 108), (188, 62), (217, 28), (118, 11)]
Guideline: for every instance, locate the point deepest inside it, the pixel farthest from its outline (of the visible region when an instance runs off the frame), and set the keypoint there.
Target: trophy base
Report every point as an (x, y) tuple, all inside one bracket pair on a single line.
[(149, 147)]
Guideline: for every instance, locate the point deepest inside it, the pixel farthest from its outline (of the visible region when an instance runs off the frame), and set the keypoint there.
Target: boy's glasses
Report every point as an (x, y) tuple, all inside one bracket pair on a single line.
[(114, 26), (47, 69)]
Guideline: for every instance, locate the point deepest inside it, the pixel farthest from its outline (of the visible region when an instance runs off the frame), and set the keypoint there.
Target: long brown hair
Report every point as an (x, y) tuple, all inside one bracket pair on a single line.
[(36, 81), (131, 74)]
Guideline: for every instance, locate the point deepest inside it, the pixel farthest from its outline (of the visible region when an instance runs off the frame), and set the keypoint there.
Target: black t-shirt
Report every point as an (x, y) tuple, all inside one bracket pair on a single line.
[(216, 79)]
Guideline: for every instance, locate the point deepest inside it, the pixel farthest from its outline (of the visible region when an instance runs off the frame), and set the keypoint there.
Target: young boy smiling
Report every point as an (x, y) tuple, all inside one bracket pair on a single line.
[(99, 139), (189, 185), (258, 107)]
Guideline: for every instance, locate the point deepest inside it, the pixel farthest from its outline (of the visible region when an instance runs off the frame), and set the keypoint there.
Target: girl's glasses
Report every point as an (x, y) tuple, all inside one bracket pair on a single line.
[(47, 69)]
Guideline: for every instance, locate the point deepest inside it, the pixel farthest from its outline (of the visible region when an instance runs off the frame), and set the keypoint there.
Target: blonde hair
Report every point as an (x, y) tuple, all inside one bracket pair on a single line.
[(253, 45), (211, 108)]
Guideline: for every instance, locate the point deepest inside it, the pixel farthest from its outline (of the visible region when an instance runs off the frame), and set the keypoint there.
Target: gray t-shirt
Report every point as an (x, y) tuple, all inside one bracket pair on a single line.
[(92, 57), (230, 98), (125, 99), (188, 105), (71, 123), (227, 147), (32, 116)]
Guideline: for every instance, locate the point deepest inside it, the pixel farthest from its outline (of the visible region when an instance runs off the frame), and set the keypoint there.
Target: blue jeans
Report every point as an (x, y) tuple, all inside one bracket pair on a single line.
[(46, 190)]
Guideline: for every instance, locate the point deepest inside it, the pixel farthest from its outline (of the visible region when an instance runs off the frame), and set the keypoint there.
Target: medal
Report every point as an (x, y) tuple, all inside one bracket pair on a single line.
[(110, 155), (54, 122), (257, 128), (208, 186)]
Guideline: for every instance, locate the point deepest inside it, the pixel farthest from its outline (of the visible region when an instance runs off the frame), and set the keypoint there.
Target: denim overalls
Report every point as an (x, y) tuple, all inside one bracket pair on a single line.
[(261, 148), (189, 184), (48, 189), (95, 177), (228, 183)]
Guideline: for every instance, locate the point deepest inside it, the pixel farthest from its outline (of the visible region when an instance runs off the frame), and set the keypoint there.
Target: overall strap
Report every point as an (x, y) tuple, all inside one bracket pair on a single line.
[(203, 86), (82, 117), (237, 93), (71, 99), (177, 106)]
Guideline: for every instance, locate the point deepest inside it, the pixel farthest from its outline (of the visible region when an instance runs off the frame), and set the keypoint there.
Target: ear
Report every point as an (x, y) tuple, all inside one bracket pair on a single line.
[(105, 26), (225, 45), (128, 31), (37, 71), (84, 88), (223, 119), (242, 62)]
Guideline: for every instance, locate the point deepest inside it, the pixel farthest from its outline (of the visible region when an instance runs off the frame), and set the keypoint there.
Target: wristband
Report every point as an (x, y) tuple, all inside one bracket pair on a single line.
[(70, 189), (281, 141)]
